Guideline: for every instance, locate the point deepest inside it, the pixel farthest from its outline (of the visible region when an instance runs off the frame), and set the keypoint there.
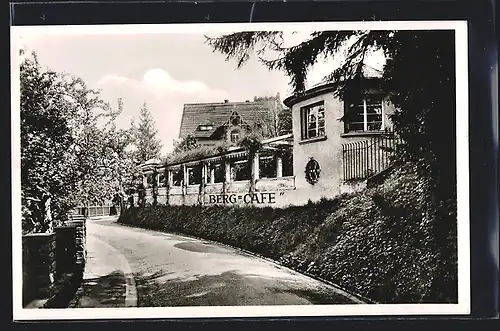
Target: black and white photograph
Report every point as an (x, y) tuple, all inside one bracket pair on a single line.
[(240, 170)]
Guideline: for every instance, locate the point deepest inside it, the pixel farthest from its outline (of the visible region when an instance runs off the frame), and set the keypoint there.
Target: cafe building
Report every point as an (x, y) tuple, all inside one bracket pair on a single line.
[(335, 147)]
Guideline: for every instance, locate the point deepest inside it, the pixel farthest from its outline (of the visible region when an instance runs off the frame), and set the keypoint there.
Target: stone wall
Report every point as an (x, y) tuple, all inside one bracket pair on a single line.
[(39, 265), (48, 259), (78, 222)]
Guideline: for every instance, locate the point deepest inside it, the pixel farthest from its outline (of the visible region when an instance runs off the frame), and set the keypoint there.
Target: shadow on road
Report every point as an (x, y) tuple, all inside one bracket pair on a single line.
[(226, 289), (102, 292)]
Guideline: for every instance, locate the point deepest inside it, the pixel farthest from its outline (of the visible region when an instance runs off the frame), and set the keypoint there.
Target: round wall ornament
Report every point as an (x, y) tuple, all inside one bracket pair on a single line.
[(312, 171)]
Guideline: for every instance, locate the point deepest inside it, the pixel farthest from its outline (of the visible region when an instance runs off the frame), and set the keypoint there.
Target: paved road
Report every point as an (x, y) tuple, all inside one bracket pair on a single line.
[(171, 270)]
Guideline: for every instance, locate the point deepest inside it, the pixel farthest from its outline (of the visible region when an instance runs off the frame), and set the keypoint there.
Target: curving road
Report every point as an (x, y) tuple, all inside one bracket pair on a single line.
[(172, 270)]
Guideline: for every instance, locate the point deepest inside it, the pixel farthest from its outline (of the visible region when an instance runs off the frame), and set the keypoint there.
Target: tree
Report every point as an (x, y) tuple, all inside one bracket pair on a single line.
[(185, 144), (46, 142), (120, 163), (271, 126), (145, 136), (71, 151), (285, 121)]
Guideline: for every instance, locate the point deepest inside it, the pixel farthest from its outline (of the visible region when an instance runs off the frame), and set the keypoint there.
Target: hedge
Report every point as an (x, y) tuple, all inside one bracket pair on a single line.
[(380, 243)]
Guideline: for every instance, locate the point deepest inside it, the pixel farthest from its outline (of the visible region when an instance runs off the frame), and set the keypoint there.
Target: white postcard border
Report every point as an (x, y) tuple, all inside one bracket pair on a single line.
[(462, 102)]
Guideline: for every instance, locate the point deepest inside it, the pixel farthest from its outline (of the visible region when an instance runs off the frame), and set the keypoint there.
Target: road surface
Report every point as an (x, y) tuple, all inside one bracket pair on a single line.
[(172, 270)]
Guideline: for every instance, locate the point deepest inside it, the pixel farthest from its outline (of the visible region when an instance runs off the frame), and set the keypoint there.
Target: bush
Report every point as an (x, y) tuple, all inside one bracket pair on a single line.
[(382, 243)]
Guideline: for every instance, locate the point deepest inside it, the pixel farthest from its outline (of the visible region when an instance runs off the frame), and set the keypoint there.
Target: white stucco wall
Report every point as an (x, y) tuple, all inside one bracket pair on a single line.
[(327, 152)]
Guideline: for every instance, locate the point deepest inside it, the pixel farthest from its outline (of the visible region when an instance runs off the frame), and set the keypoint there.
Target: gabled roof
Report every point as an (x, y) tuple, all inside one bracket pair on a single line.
[(217, 114)]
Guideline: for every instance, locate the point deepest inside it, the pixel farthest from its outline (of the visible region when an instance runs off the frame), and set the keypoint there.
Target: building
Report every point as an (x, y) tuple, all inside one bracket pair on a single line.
[(210, 123), (335, 147), (339, 144)]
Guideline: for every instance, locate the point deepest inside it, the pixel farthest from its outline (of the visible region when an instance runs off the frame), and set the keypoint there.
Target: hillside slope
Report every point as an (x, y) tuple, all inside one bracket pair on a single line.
[(384, 243)]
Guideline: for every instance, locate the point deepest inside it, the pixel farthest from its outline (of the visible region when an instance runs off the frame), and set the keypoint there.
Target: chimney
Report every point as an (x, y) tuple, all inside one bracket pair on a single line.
[(226, 101)]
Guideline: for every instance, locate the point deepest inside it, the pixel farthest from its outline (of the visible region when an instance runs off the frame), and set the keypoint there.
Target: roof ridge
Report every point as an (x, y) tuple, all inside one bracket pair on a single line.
[(226, 103)]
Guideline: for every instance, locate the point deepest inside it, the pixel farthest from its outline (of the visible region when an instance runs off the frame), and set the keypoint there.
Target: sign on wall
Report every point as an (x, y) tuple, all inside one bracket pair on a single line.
[(244, 198)]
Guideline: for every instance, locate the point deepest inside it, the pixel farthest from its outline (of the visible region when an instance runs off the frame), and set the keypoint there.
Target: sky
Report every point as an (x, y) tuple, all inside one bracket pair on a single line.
[(163, 70)]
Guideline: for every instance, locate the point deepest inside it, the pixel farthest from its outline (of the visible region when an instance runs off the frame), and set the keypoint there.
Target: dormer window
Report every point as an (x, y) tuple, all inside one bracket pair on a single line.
[(206, 127)]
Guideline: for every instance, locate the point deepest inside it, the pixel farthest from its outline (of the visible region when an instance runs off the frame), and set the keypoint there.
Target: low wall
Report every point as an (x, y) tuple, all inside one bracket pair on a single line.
[(52, 260), (39, 265)]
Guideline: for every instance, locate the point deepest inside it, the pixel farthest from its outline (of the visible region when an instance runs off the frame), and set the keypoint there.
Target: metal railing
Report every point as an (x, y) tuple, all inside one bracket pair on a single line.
[(365, 158)]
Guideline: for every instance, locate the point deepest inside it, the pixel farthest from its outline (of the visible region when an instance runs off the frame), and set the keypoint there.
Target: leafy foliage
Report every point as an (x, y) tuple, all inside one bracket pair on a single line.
[(46, 142), (285, 121), (198, 152), (251, 142), (186, 144), (271, 126), (239, 46), (71, 151)]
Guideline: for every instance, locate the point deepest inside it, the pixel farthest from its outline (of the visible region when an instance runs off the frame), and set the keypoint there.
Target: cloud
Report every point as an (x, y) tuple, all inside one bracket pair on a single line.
[(164, 96)]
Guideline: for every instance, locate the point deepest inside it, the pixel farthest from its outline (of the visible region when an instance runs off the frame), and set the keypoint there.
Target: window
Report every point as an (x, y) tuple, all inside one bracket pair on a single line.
[(267, 166), (217, 171), (194, 175), (240, 170), (161, 179), (365, 114), (177, 177), (313, 121), (149, 180), (235, 136), (205, 127)]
